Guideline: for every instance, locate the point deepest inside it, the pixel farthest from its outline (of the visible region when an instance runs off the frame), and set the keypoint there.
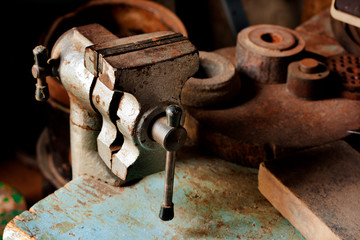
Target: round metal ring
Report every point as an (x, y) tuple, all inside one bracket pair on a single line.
[(215, 84), (264, 51), (276, 40)]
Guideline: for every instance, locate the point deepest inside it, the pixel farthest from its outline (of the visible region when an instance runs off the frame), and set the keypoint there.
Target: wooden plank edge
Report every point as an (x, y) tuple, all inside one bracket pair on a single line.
[(292, 208)]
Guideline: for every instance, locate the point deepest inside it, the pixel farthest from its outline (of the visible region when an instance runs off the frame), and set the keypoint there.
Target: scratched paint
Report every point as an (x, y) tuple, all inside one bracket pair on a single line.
[(213, 199)]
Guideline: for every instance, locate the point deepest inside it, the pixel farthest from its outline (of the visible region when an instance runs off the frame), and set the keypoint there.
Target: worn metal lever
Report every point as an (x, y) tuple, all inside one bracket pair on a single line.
[(172, 137)]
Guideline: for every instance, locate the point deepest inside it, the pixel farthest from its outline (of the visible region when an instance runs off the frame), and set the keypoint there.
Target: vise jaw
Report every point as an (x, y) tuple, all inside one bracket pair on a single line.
[(123, 87)]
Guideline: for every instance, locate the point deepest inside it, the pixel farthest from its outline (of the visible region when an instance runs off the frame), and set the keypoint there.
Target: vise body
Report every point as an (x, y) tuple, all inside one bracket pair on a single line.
[(119, 90)]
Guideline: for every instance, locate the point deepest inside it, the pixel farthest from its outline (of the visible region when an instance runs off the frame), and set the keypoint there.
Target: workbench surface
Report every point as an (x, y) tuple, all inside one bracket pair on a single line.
[(213, 199)]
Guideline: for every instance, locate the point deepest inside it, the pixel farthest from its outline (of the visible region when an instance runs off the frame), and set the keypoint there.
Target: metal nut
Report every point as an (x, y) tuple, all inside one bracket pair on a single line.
[(309, 79), (263, 52)]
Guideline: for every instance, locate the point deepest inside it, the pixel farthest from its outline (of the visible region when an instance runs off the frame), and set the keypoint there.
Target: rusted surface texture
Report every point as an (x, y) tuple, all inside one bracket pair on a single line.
[(318, 35), (122, 17), (309, 79), (227, 52), (347, 68), (317, 190), (264, 51), (135, 52), (216, 82), (213, 199), (266, 121), (51, 161), (138, 77)]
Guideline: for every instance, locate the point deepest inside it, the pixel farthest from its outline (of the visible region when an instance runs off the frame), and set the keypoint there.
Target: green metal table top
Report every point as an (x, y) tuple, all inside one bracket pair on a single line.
[(214, 199)]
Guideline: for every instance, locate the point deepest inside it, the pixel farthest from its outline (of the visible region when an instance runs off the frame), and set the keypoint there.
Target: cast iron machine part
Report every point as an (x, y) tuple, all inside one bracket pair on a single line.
[(309, 79), (264, 51), (125, 113)]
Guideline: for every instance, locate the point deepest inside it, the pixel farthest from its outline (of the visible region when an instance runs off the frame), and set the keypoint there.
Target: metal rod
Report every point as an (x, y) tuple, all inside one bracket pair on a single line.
[(169, 178), (354, 131), (173, 115)]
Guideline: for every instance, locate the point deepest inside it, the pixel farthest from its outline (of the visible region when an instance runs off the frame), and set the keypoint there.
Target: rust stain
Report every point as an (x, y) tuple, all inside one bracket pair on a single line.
[(259, 58), (81, 202), (265, 122), (97, 99)]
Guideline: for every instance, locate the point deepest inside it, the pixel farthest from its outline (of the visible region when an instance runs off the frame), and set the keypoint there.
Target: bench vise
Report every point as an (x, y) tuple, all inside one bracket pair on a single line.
[(124, 95)]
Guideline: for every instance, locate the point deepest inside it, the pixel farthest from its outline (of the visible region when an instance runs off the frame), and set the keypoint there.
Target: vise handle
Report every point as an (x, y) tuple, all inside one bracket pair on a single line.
[(172, 137)]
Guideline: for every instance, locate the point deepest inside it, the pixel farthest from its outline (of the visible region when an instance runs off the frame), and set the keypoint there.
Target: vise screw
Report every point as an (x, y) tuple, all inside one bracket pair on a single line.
[(125, 108)]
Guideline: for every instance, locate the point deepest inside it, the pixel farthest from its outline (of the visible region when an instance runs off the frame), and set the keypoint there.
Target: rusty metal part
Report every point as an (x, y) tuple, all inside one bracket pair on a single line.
[(117, 94), (318, 35), (216, 83), (265, 122), (149, 70), (263, 52), (347, 67), (52, 166), (309, 79), (122, 17)]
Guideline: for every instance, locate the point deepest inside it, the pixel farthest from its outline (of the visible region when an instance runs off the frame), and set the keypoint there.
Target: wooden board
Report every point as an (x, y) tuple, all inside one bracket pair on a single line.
[(317, 190)]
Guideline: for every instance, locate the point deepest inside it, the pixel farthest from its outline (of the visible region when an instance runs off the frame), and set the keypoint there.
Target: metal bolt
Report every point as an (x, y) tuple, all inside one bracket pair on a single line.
[(40, 71), (309, 65)]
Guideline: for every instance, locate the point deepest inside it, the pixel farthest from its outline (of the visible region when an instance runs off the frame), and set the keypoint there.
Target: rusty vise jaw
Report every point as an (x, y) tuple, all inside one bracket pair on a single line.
[(128, 85)]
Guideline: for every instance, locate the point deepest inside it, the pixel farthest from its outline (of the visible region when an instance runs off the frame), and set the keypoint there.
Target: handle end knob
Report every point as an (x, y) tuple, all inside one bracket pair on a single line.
[(166, 212)]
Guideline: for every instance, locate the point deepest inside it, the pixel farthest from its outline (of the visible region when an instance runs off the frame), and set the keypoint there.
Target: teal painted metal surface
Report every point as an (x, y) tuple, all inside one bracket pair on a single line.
[(213, 199)]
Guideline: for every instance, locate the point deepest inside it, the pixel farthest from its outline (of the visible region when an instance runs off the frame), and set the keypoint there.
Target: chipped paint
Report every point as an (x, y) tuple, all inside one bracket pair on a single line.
[(213, 199)]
